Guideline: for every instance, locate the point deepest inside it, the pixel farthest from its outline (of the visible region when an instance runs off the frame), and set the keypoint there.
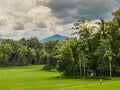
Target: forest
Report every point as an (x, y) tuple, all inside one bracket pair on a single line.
[(95, 52)]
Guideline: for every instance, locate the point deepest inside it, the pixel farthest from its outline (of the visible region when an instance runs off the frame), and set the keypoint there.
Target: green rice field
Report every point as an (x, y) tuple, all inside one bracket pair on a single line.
[(33, 78)]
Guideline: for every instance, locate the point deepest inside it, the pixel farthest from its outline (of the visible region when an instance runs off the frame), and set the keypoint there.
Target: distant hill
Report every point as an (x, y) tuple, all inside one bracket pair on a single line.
[(54, 37), (1, 40)]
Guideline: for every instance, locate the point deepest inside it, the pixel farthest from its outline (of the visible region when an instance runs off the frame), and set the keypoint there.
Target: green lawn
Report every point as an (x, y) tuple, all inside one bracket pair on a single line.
[(33, 78)]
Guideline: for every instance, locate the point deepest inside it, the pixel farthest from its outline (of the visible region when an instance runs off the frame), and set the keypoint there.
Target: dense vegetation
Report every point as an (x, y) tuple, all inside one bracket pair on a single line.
[(95, 53), (17, 53)]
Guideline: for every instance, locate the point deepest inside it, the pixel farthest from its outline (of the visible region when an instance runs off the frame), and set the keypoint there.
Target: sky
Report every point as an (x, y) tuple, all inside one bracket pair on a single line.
[(43, 18)]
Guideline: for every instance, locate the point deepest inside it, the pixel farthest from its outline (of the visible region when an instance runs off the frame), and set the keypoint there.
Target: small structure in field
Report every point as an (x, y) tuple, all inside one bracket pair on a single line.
[(91, 73)]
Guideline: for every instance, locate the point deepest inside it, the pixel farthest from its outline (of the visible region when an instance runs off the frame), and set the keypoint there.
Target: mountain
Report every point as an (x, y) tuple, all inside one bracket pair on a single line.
[(1, 40), (54, 37)]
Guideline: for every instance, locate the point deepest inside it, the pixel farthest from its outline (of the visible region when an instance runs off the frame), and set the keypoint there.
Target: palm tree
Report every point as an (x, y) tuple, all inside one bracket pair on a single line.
[(105, 42), (102, 30), (85, 31), (109, 54)]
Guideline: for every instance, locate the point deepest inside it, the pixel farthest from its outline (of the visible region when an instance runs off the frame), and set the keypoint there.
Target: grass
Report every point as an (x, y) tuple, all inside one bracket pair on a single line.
[(33, 78)]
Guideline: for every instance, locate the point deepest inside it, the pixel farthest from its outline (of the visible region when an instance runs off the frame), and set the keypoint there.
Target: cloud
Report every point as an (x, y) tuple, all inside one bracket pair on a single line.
[(118, 2), (42, 18), (23, 18), (69, 10), (19, 27)]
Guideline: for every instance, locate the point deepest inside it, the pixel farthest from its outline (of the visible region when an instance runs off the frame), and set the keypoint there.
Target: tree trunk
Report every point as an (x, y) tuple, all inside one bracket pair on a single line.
[(80, 66), (84, 67), (110, 67)]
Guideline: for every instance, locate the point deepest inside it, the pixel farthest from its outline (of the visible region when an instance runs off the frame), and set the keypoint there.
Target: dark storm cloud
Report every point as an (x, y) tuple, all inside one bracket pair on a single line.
[(118, 2), (69, 10)]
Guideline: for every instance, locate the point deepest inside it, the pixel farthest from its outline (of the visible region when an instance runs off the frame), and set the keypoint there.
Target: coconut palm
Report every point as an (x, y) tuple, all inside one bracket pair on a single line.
[(84, 31)]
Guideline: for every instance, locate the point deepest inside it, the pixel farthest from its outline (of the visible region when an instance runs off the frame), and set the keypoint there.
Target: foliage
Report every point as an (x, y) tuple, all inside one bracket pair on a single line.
[(19, 53)]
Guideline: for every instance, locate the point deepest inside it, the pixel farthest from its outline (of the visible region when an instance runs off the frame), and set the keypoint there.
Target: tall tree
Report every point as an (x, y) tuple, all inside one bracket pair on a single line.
[(85, 32), (67, 60)]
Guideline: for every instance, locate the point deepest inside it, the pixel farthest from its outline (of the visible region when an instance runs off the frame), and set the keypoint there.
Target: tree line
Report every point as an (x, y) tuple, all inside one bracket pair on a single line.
[(18, 53)]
